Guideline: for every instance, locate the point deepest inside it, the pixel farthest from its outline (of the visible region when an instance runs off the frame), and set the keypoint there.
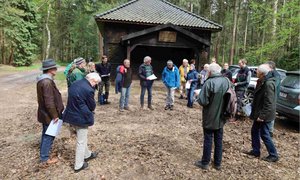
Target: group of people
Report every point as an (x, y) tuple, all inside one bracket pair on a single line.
[(263, 110), (212, 80)]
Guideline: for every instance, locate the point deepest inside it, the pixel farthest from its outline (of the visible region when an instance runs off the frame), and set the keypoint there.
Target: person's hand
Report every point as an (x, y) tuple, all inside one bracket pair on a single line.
[(190, 81), (235, 84), (259, 120), (55, 120)]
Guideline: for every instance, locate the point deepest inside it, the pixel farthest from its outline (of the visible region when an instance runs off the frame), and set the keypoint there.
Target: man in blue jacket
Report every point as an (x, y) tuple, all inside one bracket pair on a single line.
[(79, 113), (171, 79)]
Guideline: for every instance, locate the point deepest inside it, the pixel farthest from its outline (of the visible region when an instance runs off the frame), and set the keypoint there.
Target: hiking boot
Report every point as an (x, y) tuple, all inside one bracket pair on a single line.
[(127, 108), (271, 158), (84, 166), (200, 165), (217, 167), (121, 110), (106, 102), (171, 107), (92, 156), (150, 107), (181, 97), (167, 107), (251, 153)]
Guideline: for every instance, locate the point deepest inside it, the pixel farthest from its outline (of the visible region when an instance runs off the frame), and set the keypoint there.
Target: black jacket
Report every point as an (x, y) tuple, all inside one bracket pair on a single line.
[(104, 70), (264, 102), (81, 104), (243, 79), (227, 73), (142, 75)]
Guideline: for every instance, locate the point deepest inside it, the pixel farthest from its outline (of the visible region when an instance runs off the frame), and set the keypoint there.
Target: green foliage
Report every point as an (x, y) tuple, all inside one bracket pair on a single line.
[(18, 22)]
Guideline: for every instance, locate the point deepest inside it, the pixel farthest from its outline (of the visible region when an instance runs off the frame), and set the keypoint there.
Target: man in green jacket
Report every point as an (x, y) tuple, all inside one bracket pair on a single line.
[(211, 98), (263, 112), (79, 72)]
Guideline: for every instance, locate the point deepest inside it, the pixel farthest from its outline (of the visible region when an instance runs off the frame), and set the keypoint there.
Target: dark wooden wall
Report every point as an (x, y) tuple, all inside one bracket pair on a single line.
[(117, 52)]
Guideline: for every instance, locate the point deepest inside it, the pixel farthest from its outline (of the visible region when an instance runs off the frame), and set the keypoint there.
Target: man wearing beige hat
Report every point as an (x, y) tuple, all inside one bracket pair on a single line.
[(50, 107)]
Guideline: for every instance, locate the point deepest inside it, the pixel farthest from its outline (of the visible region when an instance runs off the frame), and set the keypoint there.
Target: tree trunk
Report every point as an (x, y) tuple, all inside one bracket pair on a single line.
[(246, 30), (274, 21), (11, 56), (262, 43), (217, 46), (234, 31), (49, 33)]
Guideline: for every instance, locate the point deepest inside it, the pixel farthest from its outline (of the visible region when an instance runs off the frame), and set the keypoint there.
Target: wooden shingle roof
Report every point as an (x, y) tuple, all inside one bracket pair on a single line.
[(155, 12)]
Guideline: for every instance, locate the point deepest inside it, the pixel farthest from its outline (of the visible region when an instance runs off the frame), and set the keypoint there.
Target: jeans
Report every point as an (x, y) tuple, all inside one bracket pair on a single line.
[(170, 96), (124, 98), (191, 96), (271, 126), (261, 129), (218, 138), (240, 97), (46, 144), (143, 90), (82, 151)]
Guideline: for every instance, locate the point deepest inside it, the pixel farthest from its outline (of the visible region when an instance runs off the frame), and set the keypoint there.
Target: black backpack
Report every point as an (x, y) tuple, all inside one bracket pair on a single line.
[(230, 102)]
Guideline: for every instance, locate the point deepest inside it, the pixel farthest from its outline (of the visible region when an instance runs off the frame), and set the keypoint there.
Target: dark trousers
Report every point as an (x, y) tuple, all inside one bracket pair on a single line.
[(218, 140), (261, 130), (143, 90), (105, 84), (46, 144), (240, 98)]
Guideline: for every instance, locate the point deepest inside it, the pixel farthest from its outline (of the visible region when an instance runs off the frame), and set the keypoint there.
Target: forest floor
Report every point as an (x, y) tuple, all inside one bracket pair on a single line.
[(136, 144)]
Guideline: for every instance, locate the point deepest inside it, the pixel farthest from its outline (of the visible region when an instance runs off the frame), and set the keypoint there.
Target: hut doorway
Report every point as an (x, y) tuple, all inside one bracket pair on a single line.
[(160, 56)]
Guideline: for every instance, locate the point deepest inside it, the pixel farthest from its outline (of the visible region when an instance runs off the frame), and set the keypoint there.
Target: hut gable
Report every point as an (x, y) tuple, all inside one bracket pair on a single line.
[(154, 12)]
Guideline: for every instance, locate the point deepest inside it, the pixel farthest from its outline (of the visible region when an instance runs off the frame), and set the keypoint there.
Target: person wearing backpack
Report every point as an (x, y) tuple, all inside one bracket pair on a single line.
[(126, 72), (212, 99), (104, 69)]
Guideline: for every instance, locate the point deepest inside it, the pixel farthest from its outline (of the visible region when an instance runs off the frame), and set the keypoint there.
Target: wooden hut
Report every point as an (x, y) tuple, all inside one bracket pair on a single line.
[(154, 28)]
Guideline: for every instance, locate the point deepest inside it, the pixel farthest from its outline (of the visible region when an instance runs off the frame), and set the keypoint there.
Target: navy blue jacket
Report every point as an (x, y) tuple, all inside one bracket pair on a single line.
[(192, 75), (81, 104)]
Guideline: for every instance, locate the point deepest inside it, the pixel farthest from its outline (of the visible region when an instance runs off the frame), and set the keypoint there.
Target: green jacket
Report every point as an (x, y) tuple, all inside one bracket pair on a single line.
[(211, 98), (77, 74), (264, 101)]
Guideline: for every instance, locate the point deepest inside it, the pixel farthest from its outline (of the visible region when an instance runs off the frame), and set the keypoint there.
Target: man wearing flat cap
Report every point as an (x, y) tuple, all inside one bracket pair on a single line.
[(50, 107), (79, 72)]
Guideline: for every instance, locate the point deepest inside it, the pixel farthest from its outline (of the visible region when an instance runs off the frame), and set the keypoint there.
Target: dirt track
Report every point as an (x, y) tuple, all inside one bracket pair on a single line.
[(140, 144)]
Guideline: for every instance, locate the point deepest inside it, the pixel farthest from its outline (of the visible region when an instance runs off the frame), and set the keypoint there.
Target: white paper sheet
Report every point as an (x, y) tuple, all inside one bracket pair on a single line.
[(188, 85), (152, 77), (54, 129)]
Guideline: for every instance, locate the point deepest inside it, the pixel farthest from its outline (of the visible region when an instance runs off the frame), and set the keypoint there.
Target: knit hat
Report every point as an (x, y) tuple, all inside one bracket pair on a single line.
[(78, 61)]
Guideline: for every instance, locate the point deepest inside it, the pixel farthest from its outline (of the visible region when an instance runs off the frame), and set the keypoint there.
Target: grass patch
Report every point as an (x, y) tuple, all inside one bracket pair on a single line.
[(60, 76), (34, 66)]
